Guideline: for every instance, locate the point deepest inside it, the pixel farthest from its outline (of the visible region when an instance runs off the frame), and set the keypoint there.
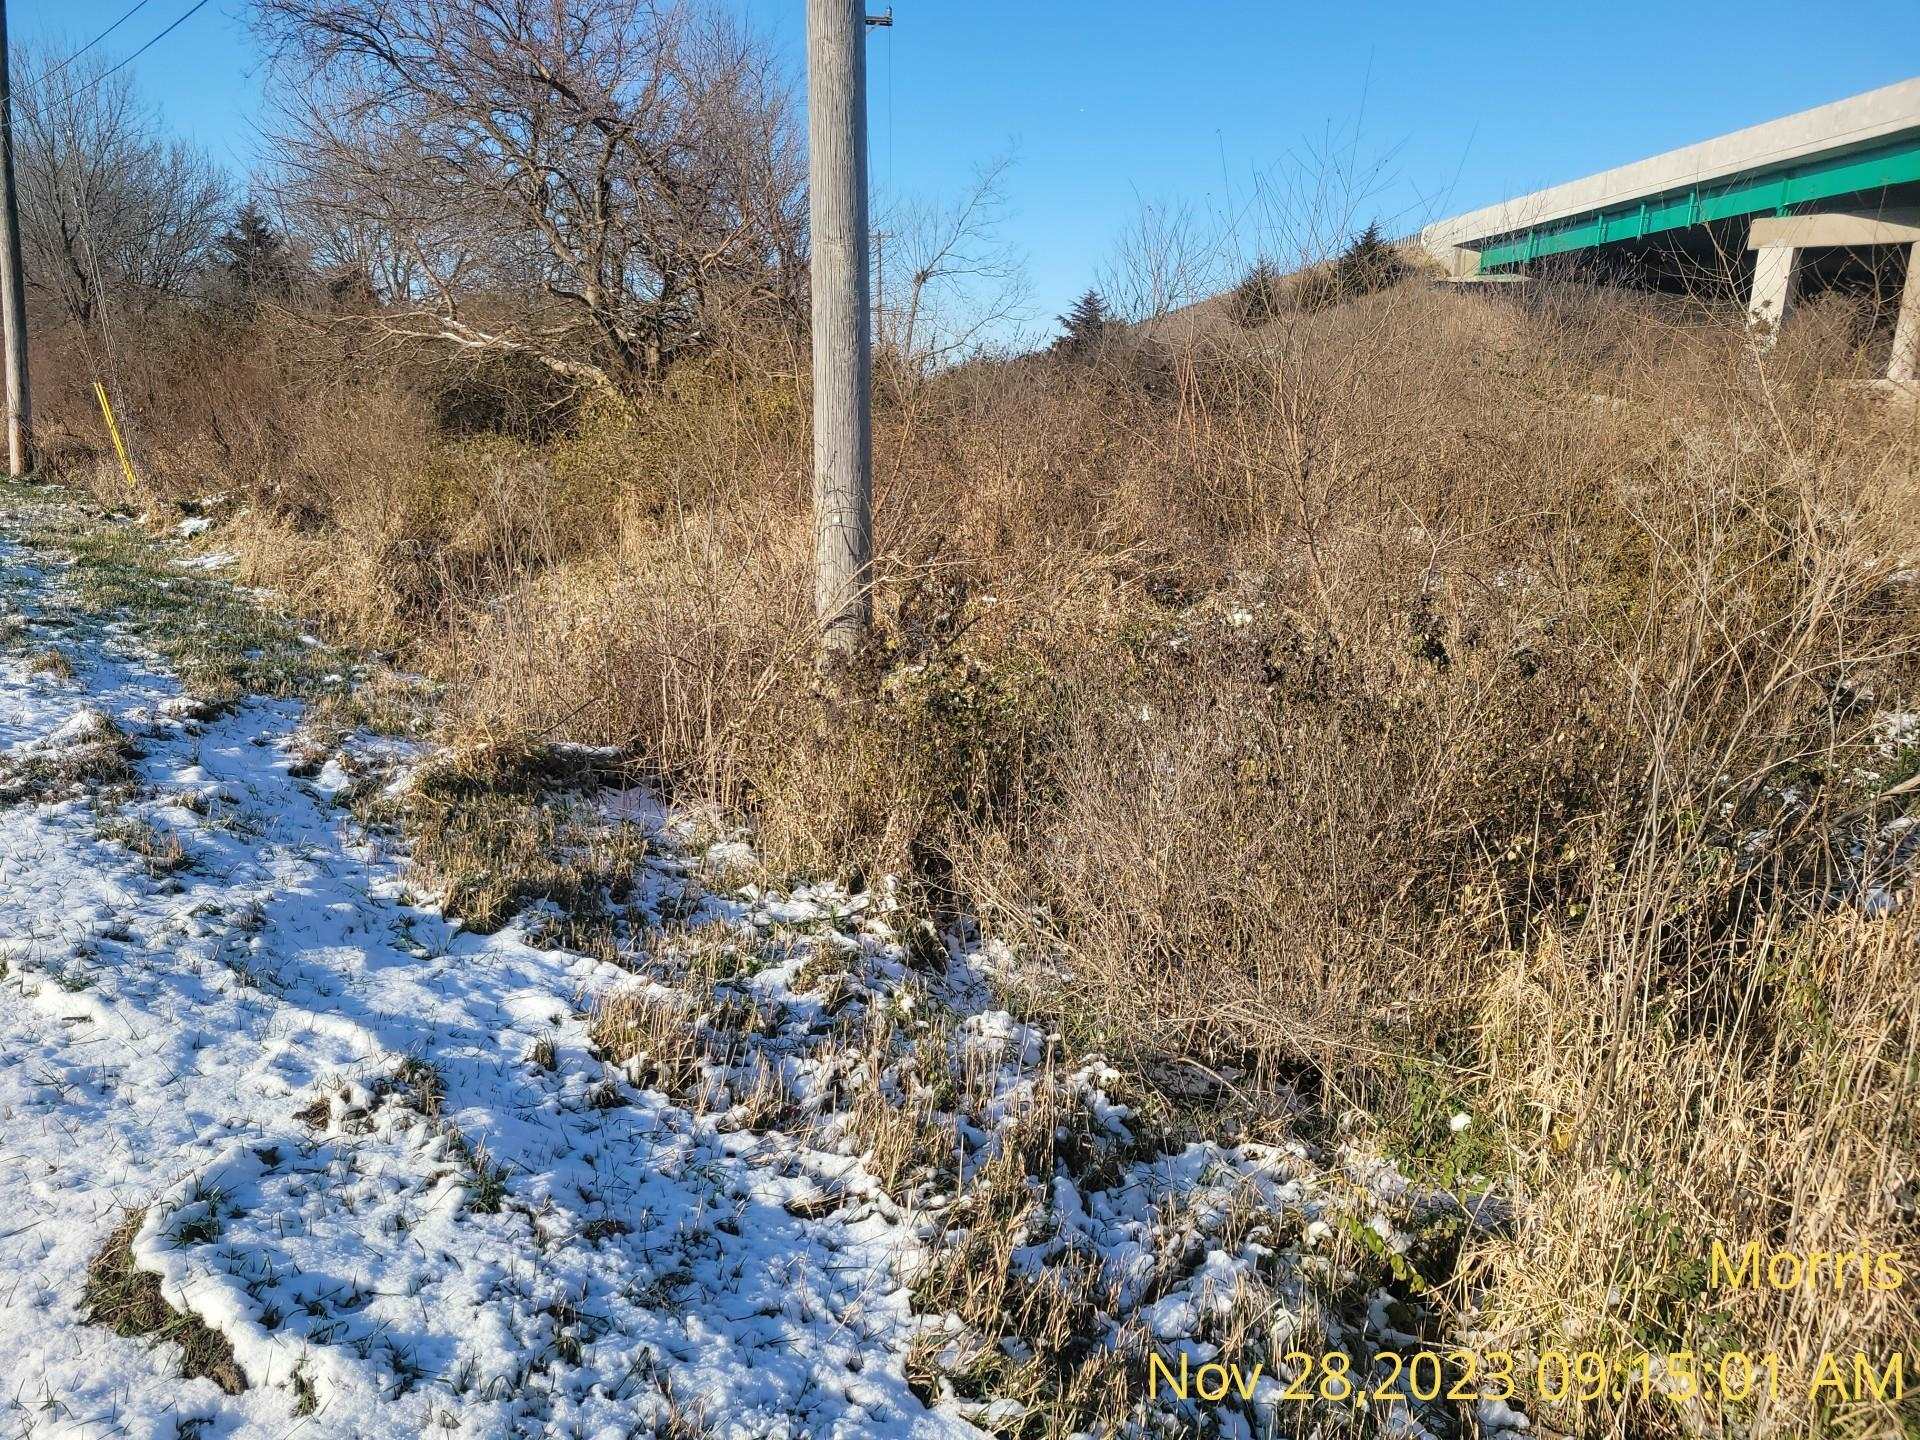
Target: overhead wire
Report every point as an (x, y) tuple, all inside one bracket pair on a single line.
[(53, 70), (119, 65)]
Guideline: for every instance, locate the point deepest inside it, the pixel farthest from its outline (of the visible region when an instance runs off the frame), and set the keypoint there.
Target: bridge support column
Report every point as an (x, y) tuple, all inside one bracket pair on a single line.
[(1904, 367), (1776, 281)]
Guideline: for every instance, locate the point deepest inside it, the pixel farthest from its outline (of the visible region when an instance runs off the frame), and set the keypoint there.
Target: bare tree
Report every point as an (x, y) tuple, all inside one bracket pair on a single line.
[(1166, 257), (1305, 209), (108, 207), (601, 185), (947, 275)]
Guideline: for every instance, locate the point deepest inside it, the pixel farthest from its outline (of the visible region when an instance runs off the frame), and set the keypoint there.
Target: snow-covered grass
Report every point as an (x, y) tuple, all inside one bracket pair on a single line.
[(213, 636), (285, 1141), (510, 1258)]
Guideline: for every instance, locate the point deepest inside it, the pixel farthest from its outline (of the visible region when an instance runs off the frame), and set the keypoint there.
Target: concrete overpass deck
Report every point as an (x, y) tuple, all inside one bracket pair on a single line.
[(1850, 148), (1844, 174)]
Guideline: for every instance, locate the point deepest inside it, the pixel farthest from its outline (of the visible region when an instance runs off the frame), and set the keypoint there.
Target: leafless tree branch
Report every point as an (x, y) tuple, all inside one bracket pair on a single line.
[(602, 185)]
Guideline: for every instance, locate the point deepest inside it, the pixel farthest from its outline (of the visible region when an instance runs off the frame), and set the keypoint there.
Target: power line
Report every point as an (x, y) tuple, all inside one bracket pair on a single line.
[(178, 21), (185, 16), (47, 75)]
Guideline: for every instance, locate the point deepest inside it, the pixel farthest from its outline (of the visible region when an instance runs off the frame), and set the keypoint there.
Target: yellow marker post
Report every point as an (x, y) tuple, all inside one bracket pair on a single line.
[(113, 429)]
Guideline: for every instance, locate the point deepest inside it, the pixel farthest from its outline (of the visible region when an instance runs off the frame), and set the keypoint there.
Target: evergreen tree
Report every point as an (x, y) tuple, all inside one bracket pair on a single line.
[(257, 260), (1260, 296), (1370, 263), (1085, 326)]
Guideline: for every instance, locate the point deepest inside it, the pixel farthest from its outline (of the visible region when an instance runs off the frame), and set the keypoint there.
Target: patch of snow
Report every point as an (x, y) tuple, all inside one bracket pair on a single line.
[(635, 805), (212, 560), (84, 726), (1497, 1417)]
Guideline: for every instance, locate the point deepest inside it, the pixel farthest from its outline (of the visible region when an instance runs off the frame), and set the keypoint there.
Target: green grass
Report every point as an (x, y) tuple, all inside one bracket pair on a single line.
[(1417, 1129), (127, 1300), (223, 643)]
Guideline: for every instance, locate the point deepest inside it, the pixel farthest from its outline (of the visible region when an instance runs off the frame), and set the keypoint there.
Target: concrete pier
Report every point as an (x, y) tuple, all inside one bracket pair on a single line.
[(1776, 282), (1904, 367)]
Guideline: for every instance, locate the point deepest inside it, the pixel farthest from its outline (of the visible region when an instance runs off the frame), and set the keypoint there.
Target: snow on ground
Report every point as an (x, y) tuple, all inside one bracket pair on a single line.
[(161, 1033)]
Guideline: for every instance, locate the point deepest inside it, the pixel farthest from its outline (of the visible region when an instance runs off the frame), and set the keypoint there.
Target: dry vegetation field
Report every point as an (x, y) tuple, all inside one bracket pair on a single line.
[(1437, 705), (1385, 818)]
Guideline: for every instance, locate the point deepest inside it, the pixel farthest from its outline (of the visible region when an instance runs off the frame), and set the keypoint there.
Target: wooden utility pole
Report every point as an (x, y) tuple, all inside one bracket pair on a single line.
[(13, 285), (842, 333)]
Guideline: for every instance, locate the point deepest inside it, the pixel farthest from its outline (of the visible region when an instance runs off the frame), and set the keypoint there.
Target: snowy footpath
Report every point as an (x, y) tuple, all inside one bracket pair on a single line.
[(366, 1146)]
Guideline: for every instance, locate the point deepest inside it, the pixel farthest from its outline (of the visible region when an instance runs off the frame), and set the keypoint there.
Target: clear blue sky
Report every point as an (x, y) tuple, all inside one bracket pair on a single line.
[(1110, 102)]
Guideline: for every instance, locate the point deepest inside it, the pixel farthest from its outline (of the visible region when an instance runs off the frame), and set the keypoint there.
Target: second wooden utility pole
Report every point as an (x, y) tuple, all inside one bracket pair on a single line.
[(13, 285), (842, 339)]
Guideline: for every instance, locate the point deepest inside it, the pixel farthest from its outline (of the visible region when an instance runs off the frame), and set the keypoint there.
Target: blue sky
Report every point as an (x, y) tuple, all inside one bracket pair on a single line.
[(203, 76), (1106, 104)]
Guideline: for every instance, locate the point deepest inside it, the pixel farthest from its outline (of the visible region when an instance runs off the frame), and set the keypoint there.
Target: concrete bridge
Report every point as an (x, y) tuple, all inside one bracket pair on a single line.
[(1844, 176)]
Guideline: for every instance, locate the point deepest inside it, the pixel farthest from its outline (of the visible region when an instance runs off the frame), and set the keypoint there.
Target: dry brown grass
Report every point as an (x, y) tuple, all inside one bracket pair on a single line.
[(50, 661), (651, 1037), (1443, 701), (160, 851), (1641, 1133)]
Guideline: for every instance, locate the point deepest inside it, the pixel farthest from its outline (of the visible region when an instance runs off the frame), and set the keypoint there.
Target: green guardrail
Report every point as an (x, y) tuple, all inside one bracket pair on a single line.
[(1769, 192)]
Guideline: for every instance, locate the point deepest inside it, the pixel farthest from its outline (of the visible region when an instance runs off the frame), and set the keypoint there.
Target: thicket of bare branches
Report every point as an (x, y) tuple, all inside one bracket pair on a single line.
[(1168, 255), (949, 280), (603, 186), (109, 206)]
